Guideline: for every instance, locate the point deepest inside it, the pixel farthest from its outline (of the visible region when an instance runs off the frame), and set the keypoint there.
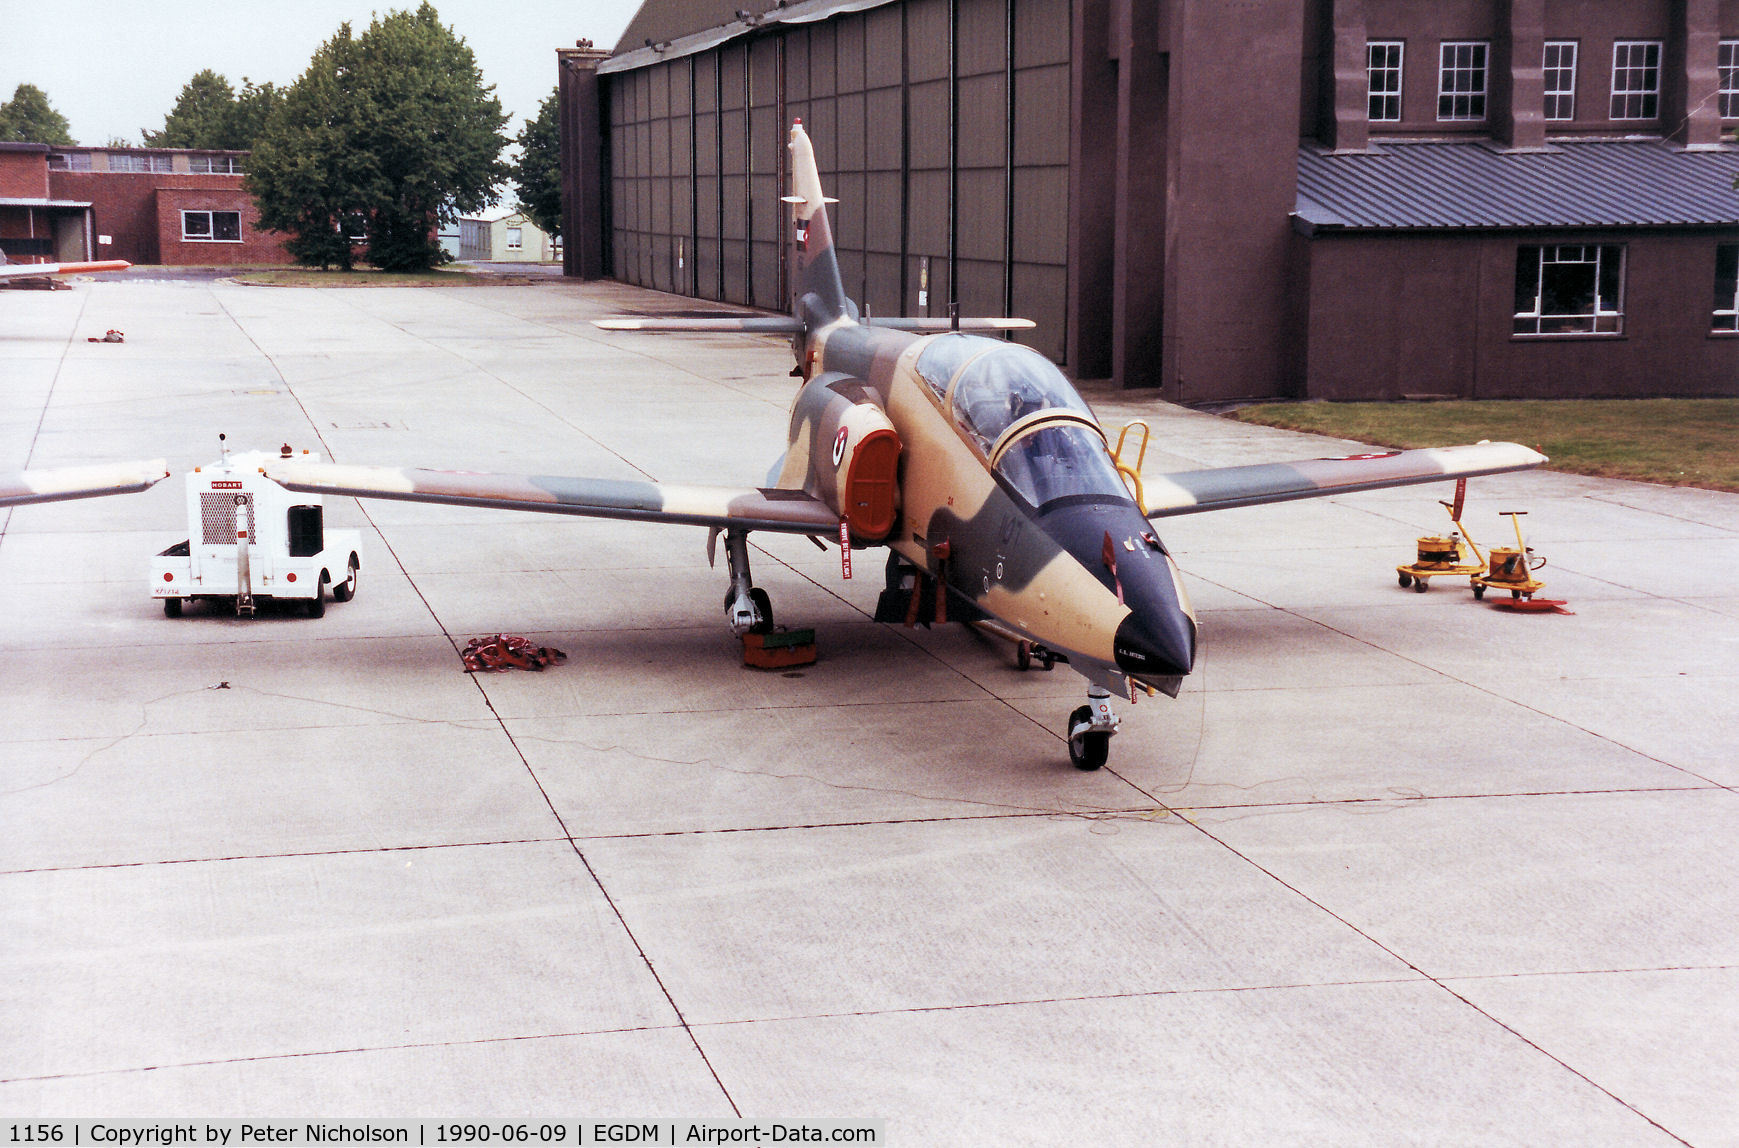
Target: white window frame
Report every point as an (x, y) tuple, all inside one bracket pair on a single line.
[(1455, 81), (1560, 100), (1605, 318), (214, 165), (516, 238), (1636, 91), (1387, 72), (1726, 316), (210, 235), (1728, 86)]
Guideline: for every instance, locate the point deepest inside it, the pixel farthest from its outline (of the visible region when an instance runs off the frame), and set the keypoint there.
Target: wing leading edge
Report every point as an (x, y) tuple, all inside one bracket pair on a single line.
[(737, 508), (1220, 488)]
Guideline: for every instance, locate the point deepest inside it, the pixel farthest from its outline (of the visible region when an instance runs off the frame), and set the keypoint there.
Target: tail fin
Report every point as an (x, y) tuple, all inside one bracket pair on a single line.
[(817, 293)]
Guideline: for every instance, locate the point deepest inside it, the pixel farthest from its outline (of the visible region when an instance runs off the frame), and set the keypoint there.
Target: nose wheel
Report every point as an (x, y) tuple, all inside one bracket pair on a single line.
[(1090, 730)]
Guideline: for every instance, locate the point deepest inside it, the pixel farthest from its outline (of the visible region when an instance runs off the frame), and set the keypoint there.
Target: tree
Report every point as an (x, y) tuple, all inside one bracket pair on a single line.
[(537, 177), (395, 125), (28, 117), (305, 175), (209, 113)]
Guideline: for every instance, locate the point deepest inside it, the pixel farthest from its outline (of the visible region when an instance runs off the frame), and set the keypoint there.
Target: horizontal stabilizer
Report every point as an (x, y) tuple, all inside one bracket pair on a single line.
[(927, 325), (736, 508), (754, 324), (1191, 491), (19, 487)]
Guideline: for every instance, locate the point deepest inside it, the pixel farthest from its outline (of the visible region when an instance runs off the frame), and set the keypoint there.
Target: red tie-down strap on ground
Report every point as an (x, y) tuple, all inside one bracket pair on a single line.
[(500, 652)]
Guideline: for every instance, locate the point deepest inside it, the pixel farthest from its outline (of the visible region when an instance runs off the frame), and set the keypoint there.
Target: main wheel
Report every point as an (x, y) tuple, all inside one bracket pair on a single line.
[(1087, 750), (317, 604), (172, 607), (346, 590), (764, 605)]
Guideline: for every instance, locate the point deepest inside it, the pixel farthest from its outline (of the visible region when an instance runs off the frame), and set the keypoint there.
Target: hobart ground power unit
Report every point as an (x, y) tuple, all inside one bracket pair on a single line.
[(250, 541)]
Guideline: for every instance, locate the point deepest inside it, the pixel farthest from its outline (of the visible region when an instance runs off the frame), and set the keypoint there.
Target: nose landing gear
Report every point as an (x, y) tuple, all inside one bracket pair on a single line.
[(1090, 730)]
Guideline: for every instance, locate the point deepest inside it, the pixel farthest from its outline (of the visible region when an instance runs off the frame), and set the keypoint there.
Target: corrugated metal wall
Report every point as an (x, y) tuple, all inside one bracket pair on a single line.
[(697, 160)]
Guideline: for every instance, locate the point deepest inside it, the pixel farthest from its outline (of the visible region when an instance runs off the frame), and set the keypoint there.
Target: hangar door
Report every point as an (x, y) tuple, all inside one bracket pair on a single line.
[(942, 126)]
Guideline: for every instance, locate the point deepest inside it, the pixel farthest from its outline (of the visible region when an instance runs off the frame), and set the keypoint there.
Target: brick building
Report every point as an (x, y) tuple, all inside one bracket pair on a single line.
[(1268, 198), (169, 206)]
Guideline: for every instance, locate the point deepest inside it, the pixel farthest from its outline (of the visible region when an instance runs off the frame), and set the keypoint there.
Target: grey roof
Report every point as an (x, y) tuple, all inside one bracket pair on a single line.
[(1604, 183)]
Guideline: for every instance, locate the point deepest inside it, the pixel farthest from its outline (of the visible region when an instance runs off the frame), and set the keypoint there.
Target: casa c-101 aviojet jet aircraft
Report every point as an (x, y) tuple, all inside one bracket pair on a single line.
[(972, 459)]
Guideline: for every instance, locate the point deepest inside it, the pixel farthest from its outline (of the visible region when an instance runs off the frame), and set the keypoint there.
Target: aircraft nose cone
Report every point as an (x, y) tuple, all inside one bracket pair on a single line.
[(1156, 643)]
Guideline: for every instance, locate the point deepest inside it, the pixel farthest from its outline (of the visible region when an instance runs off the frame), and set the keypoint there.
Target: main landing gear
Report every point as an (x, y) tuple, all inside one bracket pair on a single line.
[(1090, 730), (747, 607)]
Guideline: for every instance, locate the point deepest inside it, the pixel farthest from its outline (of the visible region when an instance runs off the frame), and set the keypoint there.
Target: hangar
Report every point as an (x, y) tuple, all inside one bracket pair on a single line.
[(1269, 199)]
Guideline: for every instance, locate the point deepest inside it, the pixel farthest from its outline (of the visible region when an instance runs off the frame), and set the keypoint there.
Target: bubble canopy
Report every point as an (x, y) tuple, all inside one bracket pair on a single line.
[(992, 386)]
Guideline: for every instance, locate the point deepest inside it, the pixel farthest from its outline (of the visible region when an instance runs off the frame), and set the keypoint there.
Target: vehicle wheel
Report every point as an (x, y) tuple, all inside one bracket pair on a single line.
[(1515, 594), (1420, 585), (1404, 578), (1478, 591), (1023, 654), (346, 590), (172, 607), (1087, 750), (764, 605), (317, 604)]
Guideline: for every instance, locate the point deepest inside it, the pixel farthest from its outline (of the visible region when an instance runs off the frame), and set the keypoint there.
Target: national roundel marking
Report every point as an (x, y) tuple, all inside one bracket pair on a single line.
[(839, 445)]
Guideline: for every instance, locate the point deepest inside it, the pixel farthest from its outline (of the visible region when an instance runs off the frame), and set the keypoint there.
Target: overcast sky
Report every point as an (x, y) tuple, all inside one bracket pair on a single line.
[(114, 67)]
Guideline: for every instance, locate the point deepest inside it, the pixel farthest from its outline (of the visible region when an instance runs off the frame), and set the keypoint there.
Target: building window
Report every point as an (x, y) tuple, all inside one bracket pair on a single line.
[(70, 161), (1383, 71), (1560, 79), (140, 162), (1726, 287), (1461, 81), (211, 226), (1729, 85), (214, 164), (1570, 290), (515, 238), (1636, 79)]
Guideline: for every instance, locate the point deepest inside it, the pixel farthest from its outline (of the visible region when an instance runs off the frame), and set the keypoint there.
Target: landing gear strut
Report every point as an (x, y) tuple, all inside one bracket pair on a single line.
[(1090, 730), (747, 607)]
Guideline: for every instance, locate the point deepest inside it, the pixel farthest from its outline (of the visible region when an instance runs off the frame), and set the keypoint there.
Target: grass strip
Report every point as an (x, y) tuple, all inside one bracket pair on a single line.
[(1679, 442)]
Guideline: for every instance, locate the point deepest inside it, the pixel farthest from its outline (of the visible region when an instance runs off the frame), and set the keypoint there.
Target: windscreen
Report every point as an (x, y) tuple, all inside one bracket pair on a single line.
[(1059, 460), (938, 362), (1007, 384)]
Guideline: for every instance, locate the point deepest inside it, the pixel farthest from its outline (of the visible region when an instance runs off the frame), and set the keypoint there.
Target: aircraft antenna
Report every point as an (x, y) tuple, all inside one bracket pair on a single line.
[(222, 450), (954, 315)]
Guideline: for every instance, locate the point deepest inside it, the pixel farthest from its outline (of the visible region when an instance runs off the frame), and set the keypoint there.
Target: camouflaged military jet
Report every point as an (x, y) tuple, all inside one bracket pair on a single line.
[(973, 460)]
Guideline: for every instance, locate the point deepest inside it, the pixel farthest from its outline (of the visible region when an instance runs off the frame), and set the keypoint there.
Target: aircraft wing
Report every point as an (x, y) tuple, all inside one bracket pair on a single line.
[(1192, 491), (19, 487), (786, 324), (738, 508), (38, 270)]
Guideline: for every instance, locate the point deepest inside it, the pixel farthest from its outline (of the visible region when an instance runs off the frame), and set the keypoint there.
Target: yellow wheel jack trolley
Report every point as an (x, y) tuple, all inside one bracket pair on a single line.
[(1442, 556), (1510, 569)]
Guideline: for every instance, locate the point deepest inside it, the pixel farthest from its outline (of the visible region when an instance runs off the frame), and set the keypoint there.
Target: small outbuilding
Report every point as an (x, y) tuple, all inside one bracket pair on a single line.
[(505, 235)]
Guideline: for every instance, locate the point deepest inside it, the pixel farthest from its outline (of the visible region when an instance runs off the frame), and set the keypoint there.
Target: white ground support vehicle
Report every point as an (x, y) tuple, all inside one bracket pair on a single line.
[(250, 540)]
